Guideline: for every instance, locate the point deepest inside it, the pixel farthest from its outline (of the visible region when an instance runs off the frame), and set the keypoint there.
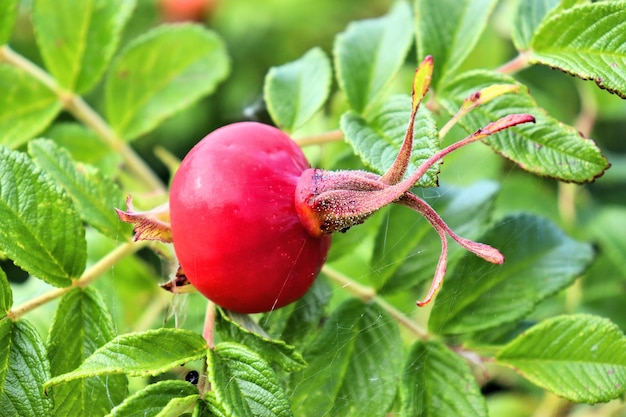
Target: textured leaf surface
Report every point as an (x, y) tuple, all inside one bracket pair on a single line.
[(6, 295), (155, 399), (588, 41), (94, 195), (448, 30), (294, 92), (140, 354), (438, 383), (297, 322), (377, 139), (23, 371), (539, 261), (81, 325), (579, 357), (369, 53), (77, 39), (359, 375), (547, 147), (244, 384), (272, 350), (528, 17), (8, 14), (160, 73), (26, 106), (39, 228), (407, 249)]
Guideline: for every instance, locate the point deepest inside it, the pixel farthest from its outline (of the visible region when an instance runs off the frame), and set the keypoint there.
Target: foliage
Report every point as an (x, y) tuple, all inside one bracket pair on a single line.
[(98, 338)]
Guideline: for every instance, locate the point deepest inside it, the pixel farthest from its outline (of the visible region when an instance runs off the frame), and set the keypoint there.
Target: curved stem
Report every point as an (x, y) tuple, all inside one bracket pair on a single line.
[(84, 113), (515, 65), (89, 276), (367, 294)]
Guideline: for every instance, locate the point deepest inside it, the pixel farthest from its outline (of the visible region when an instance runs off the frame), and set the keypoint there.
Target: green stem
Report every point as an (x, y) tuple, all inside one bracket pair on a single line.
[(84, 113), (331, 136), (89, 276), (368, 294)]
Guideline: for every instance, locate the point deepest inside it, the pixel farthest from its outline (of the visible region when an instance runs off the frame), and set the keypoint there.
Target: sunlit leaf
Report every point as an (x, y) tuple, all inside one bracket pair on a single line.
[(26, 106), (140, 354), (354, 364), (6, 295), (8, 14), (23, 371), (588, 41), (448, 30), (94, 195), (528, 17), (78, 39), (547, 147), (579, 357), (273, 350), (294, 92), (156, 400), (244, 384), (540, 260), (160, 73), (437, 383), (40, 229), (81, 324), (369, 53)]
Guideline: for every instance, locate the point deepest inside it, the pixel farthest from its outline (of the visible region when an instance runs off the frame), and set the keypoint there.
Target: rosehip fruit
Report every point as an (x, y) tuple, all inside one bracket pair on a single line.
[(235, 229)]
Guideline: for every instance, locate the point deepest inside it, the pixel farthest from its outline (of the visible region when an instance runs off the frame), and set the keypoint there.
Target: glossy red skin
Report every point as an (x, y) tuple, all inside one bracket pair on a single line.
[(235, 229)]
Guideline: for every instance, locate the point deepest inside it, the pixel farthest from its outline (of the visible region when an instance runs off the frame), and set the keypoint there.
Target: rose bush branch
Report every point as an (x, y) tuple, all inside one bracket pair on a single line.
[(83, 112), (88, 277)]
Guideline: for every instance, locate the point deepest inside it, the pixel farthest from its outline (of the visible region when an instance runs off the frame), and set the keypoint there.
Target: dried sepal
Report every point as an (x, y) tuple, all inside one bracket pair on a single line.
[(179, 284), (153, 224)]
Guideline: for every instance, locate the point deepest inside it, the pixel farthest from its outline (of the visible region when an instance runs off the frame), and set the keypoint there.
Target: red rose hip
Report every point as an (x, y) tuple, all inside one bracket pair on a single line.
[(234, 225)]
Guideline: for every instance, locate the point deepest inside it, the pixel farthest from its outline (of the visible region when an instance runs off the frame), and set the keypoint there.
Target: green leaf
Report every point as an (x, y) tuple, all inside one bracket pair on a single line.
[(244, 384), (294, 92), (578, 357), (23, 371), (161, 73), (377, 139), (140, 354), (547, 147), (587, 41), (8, 14), (448, 30), (6, 295), (611, 239), (39, 228), (82, 324), (26, 106), (437, 382), (407, 249), (94, 195), (540, 260), (370, 52), (158, 399), (528, 17), (354, 364), (85, 146), (296, 322), (78, 39), (241, 329)]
